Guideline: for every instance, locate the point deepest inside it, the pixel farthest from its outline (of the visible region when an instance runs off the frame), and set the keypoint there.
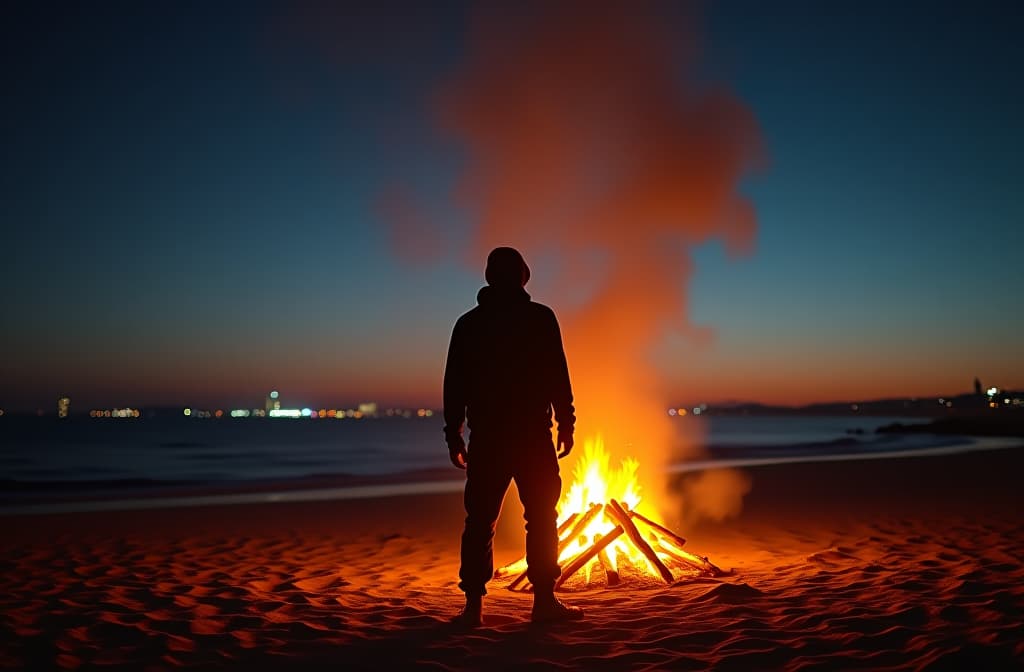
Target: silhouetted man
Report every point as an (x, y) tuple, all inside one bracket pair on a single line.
[(506, 372)]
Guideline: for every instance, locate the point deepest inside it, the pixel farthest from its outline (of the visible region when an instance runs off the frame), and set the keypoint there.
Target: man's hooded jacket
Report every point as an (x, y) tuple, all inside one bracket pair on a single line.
[(506, 370)]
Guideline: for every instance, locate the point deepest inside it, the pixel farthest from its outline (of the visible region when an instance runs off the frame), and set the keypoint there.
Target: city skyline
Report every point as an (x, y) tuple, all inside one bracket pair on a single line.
[(199, 226), (992, 396)]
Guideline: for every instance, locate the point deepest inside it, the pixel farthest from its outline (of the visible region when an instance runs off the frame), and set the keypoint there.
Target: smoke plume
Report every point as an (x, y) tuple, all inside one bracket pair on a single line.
[(593, 145)]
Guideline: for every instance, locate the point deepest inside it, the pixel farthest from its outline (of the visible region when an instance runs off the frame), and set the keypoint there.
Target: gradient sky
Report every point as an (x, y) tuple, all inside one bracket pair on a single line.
[(191, 205)]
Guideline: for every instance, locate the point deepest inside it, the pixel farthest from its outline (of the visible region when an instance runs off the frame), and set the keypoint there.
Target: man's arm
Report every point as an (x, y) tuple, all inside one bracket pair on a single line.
[(455, 399), (561, 398)]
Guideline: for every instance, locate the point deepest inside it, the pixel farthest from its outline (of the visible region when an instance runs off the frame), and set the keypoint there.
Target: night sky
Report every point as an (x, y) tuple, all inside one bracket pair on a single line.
[(192, 205)]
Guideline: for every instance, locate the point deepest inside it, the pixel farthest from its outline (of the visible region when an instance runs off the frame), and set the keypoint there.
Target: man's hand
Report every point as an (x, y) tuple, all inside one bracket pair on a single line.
[(457, 452), (564, 445)]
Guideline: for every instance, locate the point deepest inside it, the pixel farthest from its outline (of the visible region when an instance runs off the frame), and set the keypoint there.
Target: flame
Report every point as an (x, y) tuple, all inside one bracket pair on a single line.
[(596, 482)]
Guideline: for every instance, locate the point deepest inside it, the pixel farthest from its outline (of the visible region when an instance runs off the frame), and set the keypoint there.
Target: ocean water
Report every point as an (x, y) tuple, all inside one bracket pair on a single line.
[(63, 455)]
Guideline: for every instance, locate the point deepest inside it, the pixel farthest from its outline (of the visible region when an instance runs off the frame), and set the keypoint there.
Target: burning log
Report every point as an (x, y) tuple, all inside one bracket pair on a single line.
[(616, 511), (519, 579), (586, 556), (675, 538), (695, 561), (580, 525), (566, 523)]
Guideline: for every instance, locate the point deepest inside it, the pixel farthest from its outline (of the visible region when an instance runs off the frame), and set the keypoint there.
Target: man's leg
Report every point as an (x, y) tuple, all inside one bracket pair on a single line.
[(486, 485), (539, 489)]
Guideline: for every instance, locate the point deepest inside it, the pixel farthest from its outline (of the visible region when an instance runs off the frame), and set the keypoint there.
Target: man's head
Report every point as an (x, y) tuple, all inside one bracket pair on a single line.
[(506, 268)]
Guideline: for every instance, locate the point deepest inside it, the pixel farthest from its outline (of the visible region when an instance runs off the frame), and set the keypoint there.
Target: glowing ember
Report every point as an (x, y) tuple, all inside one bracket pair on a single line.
[(602, 525)]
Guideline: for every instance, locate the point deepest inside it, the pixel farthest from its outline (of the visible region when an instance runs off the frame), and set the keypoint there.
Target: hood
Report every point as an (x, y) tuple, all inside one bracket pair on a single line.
[(491, 295)]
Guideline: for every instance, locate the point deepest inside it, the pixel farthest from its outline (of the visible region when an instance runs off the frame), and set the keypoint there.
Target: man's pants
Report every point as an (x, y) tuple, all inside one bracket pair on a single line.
[(491, 467)]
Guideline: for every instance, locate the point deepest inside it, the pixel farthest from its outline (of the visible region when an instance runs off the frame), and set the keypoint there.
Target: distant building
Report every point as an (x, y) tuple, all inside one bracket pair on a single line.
[(63, 406), (273, 402), (977, 387)]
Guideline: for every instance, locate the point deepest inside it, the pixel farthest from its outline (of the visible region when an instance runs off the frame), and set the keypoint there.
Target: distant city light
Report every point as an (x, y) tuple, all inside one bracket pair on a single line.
[(240, 413), (672, 411), (219, 413), (306, 412), (681, 411), (115, 413), (285, 413), (993, 391), (187, 412), (696, 410), (273, 394)]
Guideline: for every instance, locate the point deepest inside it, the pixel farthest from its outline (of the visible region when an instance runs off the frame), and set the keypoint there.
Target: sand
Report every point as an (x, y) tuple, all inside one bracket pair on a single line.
[(885, 564)]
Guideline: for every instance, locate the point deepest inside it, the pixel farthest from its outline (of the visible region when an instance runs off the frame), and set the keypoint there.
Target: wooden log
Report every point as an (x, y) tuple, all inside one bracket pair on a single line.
[(673, 537), (695, 561), (581, 524), (611, 574), (566, 523), (616, 511), (586, 556), (564, 538), (519, 579)]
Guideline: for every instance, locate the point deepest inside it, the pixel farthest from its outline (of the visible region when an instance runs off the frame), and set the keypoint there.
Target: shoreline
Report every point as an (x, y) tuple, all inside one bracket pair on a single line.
[(346, 487)]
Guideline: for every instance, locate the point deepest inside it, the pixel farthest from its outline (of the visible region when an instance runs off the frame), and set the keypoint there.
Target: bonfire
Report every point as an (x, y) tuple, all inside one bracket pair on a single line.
[(601, 532)]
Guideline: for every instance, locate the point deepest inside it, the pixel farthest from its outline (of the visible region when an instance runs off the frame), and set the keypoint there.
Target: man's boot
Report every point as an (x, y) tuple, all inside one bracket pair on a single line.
[(549, 609), (471, 615)]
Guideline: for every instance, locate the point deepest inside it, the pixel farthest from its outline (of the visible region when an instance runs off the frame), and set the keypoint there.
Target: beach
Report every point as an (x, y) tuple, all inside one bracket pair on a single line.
[(908, 563)]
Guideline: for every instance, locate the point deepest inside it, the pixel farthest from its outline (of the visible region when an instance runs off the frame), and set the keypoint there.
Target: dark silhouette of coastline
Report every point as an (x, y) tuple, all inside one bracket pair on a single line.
[(963, 405), (997, 424)]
